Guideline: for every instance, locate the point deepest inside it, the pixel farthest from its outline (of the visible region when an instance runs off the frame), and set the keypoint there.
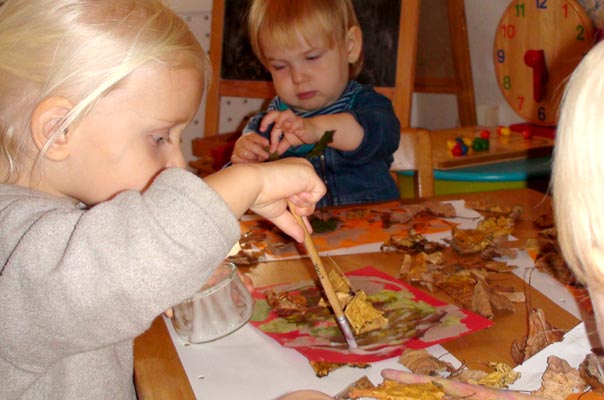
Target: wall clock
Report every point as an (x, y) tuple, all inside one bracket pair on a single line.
[(538, 43)]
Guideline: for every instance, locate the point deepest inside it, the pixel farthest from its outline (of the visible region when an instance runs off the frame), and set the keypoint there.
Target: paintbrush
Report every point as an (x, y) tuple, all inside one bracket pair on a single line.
[(325, 282)]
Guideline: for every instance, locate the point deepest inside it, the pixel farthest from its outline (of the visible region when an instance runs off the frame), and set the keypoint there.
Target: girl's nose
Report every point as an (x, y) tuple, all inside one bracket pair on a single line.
[(176, 159)]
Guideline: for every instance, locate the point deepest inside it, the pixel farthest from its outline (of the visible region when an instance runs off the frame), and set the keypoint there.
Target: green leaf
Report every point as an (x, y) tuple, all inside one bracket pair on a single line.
[(321, 144), (323, 225)]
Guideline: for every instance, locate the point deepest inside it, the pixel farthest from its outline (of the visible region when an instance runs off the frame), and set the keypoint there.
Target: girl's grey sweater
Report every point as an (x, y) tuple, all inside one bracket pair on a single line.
[(78, 285)]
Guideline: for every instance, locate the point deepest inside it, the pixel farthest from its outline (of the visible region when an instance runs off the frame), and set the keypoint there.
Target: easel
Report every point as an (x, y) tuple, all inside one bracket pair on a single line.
[(443, 58)]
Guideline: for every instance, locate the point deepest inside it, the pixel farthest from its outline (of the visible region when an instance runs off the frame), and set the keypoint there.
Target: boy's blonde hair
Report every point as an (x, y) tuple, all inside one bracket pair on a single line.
[(279, 21), (578, 173), (80, 50)]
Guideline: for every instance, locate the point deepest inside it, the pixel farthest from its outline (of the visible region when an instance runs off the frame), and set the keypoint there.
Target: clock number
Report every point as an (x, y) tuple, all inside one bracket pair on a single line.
[(565, 8), (519, 10), (509, 31), (507, 82), (501, 56), (541, 4), (580, 32), (520, 102), (541, 113)]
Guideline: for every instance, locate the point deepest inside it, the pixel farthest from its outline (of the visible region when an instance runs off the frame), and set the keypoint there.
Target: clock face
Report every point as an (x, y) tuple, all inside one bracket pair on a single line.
[(538, 43)]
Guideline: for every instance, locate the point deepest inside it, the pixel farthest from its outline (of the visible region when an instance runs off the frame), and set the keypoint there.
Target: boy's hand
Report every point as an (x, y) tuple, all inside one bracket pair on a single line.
[(289, 130), (250, 147)]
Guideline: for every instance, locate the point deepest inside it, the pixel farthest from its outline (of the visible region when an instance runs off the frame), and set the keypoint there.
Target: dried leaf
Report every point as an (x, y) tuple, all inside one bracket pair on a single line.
[(286, 303), (559, 380), (339, 281), (469, 241), (481, 303), (363, 317), (411, 243), (590, 372), (497, 226), (440, 209), (502, 376), (421, 362), (460, 286), (540, 334), (390, 390), (323, 368), (361, 383)]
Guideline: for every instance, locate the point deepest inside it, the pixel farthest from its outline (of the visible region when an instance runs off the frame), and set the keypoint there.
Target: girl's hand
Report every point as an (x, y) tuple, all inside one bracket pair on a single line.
[(250, 147), (292, 179), (266, 187), (289, 130)]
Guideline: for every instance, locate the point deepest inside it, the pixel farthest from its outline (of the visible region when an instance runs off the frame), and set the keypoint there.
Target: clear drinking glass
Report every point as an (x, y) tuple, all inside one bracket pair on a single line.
[(218, 309)]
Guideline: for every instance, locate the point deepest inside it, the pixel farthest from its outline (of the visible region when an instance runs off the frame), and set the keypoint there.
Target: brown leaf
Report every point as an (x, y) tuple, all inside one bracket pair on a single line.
[(540, 334), (559, 380), (421, 362), (591, 373), (480, 300)]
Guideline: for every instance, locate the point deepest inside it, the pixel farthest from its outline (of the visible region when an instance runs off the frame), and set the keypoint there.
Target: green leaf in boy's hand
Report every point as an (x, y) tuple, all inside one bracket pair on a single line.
[(272, 156), (321, 144)]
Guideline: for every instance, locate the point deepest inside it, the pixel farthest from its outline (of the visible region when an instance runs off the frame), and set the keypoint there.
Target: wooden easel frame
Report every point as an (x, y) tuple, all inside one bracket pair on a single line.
[(460, 83)]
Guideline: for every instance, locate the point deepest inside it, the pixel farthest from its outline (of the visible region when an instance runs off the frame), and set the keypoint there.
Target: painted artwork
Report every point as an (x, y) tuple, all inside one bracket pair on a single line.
[(345, 228), (415, 320)]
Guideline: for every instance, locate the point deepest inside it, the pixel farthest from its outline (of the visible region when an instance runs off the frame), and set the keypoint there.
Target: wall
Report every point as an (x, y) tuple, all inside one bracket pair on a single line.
[(432, 111)]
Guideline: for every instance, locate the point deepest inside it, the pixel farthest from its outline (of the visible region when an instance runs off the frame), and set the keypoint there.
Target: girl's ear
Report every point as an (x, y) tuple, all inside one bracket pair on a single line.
[(354, 44), (45, 120)]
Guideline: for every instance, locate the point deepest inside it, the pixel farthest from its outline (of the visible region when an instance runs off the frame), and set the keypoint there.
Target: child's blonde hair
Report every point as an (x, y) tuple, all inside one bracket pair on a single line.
[(279, 21), (578, 173), (80, 50)]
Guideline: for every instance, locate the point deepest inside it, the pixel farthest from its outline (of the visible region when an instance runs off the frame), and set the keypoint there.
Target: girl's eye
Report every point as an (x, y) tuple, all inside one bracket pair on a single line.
[(161, 139)]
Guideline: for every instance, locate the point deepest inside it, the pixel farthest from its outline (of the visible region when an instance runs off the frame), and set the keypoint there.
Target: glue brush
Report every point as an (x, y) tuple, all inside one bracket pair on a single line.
[(330, 293)]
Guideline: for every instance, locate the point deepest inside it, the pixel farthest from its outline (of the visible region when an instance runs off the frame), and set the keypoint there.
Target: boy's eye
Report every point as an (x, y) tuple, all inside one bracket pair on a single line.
[(278, 67)]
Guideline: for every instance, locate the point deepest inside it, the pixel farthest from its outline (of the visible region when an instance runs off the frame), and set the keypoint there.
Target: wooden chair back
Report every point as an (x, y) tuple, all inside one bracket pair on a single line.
[(415, 153), (400, 94)]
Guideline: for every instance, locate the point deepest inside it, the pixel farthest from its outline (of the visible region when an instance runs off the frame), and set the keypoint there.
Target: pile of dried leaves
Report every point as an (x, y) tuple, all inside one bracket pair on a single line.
[(462, 269), (431, 378)]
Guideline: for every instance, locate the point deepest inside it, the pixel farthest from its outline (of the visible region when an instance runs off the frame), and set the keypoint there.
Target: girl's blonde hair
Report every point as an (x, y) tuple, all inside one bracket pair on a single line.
[(279, 21), (80, 50), (578, 173)]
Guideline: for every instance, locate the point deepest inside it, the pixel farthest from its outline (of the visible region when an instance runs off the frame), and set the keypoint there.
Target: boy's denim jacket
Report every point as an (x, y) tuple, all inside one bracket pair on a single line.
[(362, 175)]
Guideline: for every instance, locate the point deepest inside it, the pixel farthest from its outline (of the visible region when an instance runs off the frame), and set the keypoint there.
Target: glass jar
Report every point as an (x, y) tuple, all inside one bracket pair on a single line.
[(219, 308)]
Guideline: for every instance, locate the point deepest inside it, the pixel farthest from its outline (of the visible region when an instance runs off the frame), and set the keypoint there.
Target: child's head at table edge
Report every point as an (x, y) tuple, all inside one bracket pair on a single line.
[(328, 23), (78, 53), (578, 177)]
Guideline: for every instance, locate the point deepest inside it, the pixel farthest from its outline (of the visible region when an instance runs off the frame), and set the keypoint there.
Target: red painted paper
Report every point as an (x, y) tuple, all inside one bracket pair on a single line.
[(417, 320)]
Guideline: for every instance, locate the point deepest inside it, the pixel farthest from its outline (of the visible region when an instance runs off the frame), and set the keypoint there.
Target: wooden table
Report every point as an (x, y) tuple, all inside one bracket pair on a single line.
[(160, 375), (502, 148)]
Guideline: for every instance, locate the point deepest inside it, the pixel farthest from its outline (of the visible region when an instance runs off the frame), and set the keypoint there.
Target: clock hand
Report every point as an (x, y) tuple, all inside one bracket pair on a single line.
[(535, 59)]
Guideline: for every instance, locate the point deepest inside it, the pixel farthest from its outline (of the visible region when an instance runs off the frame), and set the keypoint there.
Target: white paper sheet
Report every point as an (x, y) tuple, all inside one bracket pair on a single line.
[(250, 365)]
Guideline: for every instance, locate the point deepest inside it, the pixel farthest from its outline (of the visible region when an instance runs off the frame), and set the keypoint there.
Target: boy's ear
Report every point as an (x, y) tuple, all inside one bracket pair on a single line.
[(354, 44), (45, 120)]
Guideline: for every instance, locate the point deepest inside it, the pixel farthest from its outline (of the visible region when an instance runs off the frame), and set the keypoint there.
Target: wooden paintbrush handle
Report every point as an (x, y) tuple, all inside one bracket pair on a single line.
[(330, 293)]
